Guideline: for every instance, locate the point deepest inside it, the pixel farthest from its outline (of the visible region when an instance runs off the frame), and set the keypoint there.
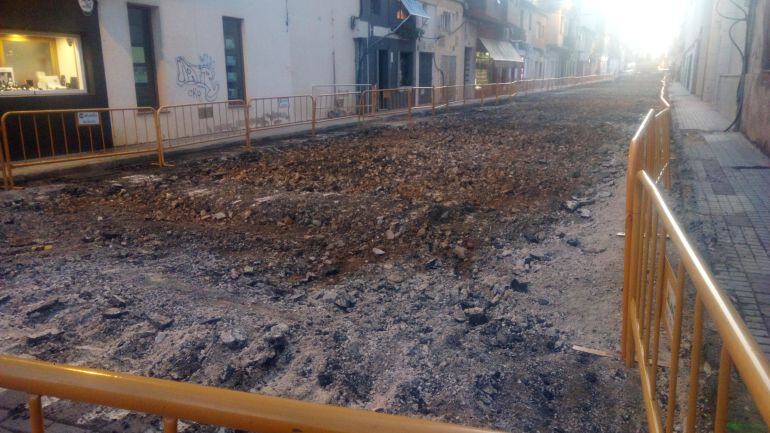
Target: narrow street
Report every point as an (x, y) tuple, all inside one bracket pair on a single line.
[(443, 269)]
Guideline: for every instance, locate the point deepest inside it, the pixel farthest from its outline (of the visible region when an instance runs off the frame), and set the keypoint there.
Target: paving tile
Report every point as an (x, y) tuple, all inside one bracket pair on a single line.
[(731, 181)]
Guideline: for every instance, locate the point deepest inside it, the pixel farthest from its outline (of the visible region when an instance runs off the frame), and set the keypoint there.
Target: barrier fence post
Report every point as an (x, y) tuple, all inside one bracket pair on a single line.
[(159, 138), (409, 104), (5, 158), (433, 99), (464, 93), (247, 120), (36, 414), (313, 116), (170, 425)]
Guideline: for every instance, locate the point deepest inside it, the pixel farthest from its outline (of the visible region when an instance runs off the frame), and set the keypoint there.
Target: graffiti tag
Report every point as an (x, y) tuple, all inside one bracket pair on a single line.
[(199, 78)]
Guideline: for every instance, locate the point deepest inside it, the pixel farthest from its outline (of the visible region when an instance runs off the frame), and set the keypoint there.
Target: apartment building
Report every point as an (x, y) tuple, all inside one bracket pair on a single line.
[(444, 45), (530, 23), (723, 57), (496, 59)]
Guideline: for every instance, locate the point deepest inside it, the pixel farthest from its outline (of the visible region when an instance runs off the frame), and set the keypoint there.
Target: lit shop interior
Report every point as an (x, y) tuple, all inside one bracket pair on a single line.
[(39, 63)]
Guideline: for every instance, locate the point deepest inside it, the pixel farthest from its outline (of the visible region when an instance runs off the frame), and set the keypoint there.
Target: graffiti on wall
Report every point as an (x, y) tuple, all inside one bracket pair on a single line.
[(198, 78)]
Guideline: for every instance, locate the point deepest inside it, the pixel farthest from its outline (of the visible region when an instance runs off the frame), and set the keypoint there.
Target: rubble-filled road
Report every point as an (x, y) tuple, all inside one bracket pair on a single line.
[(441, 269)]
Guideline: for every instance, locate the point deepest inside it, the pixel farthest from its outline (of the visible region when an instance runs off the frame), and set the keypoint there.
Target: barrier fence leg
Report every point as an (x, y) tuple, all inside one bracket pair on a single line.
[(159, 139), (409, 104), (36, 414), (5, 160), (170, 425), (433, 99), (247, 120), (313, 123)]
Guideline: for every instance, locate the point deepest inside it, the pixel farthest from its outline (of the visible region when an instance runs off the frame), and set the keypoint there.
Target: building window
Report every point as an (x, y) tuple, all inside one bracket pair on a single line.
[(234, 58), (445, 22), (766, 47), (39, 64), (401, 13), (143, 54), (374, 6)]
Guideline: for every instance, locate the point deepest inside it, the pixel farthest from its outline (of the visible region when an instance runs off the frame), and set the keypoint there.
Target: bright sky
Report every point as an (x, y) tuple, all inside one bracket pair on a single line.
[(645, 26)]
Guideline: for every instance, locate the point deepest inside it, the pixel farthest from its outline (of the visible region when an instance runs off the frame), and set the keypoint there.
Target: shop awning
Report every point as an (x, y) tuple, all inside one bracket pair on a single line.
[(502, 51), (414, 7)]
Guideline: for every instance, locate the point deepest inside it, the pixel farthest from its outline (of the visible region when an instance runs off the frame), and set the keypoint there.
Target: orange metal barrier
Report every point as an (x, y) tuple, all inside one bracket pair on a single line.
[(54, 136), (57, 135), (174, 401), (206, 122), (654, 297), (280, 112), (386, 101), (335, 106)]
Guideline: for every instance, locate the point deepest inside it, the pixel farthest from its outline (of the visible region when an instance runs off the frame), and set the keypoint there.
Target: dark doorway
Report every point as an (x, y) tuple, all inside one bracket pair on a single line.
[(406, 69), (383, 69), (426, 69), (143, 56)]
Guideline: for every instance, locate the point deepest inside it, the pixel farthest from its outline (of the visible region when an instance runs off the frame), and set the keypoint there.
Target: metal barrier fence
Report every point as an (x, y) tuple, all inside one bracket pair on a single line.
[(336, 106), (55, 136), (280, 112), (659, 260), (188, 124), (174, 401), (386, 101), (42, 137), (326, 89)]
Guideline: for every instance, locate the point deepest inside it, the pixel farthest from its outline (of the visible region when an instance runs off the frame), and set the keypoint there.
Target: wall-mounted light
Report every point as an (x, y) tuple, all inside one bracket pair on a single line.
[(87, 6)]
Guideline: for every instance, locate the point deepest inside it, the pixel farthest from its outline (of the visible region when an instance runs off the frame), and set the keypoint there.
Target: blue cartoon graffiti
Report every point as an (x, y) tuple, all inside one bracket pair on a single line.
[(198, 78)]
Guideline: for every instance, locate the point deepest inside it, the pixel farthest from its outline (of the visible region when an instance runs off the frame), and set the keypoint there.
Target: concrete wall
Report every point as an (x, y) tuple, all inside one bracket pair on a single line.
[(288, 46), (722, 62), (756, 101)]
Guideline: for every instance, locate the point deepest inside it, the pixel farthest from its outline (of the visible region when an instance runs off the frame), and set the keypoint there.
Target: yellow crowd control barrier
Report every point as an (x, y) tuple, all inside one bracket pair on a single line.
[(659, 260), (56, 136), (205, 122), (174, 401)]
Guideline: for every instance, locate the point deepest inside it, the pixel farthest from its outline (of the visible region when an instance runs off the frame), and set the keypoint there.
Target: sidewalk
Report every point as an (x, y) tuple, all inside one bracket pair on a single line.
[(730, 181)]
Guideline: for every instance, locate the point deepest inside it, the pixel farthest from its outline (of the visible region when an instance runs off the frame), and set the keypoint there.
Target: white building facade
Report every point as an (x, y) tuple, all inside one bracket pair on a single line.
[(169, 52)]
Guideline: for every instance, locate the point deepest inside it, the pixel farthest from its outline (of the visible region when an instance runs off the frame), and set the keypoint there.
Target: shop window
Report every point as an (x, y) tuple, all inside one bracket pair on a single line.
[(39, 64), (234, 58), (374, 6), (483, 68)]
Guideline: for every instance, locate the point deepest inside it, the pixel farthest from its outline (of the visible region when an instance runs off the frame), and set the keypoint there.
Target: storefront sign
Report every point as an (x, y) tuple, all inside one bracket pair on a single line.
[(87, 6), (88, 118)]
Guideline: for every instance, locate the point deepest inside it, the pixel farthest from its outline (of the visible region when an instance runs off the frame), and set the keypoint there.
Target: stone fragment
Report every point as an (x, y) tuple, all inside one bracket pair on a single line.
[(43, 336), (518, 286), (43, 306), (113, 313), (160, 321), (476, 316), (232, 339)]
